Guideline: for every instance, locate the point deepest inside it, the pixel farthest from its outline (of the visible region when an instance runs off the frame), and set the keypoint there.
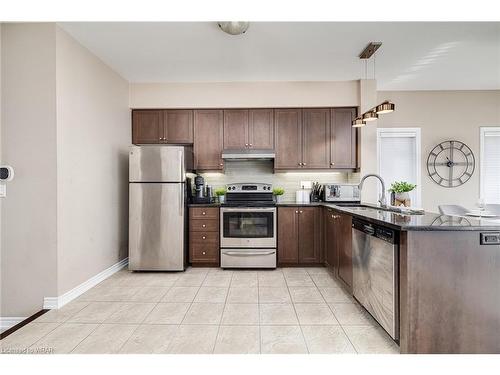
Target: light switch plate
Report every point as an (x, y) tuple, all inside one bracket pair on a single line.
[(3, 191)]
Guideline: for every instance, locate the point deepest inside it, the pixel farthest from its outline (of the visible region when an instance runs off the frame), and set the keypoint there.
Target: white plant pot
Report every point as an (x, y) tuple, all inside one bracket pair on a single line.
[(402, 199), (222, 198), (279, 198)]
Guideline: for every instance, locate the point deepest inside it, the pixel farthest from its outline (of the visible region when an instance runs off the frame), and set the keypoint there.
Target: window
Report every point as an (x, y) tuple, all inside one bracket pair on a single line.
[(489, 160), (398, 152)]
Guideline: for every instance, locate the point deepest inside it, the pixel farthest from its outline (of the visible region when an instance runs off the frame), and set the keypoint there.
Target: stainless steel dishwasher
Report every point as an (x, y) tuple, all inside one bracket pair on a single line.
[(375, 272)]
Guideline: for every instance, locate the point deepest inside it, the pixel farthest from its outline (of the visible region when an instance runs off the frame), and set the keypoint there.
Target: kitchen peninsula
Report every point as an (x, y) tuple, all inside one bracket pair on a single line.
[(447, 276)]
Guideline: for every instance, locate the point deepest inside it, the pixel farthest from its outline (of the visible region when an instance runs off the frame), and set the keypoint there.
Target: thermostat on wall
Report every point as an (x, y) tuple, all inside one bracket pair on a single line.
[(6, 173)]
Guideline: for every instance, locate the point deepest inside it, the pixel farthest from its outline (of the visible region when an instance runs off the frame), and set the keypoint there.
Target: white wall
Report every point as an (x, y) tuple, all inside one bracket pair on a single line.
[(444, 115), (244, 94), (29, 239), (66, 131), (93, 134)]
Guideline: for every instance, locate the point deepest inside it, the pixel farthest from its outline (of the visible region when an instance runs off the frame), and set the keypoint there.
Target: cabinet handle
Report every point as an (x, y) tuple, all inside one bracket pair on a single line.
[(296, 212), (304, 164), (332, 163), (204, 253), (203, 226), (203, 213), (249, 145), (204, 237), (300, 211), (221, 164)]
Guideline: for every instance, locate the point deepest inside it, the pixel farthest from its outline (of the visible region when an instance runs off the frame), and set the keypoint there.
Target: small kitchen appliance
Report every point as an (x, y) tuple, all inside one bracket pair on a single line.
[(199, 188), (248, 227), (341, 193)]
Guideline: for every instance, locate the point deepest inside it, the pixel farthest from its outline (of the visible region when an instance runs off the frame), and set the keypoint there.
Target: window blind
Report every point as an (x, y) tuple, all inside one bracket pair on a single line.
[(398, 159), (490, 165)]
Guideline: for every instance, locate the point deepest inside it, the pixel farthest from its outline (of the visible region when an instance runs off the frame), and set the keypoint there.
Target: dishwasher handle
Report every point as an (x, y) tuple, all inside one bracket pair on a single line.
[(364, 227)]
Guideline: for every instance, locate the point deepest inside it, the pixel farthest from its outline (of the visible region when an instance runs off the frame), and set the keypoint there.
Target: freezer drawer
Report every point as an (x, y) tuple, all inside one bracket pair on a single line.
[(248, 258), (156, 227)]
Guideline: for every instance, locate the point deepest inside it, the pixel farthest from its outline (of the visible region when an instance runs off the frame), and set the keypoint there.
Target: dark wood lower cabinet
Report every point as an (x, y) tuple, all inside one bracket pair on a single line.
[(309, 235), (343, 241), (204, 236), (288, 234), (330, 246), (299, 239)]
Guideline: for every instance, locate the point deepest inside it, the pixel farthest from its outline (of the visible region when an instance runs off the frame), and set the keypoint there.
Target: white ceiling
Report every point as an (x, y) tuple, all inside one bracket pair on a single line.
[(414, 56)]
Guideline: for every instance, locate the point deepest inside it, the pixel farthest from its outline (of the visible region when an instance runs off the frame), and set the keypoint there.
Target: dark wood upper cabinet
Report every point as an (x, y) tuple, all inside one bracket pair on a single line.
[(235, 129), (208, 139), (316, 138), (147, 126), (261, 128), (178, 126), (288, 141), (288, 232), (343, 239), (309, 235), (343, 139)]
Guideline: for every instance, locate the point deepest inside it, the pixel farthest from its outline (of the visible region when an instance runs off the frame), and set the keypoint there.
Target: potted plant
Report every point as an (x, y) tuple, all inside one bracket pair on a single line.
[(278, 193), (399, 190), (220, 192)]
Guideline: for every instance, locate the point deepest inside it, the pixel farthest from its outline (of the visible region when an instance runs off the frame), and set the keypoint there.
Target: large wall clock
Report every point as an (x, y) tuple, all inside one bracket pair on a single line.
[(451, 164)]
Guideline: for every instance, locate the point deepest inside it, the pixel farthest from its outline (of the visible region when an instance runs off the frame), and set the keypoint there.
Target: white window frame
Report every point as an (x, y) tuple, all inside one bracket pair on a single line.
[(482, 131), (409, 133)]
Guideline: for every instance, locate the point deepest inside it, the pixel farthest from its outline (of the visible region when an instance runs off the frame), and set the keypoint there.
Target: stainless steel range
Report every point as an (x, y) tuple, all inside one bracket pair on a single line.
[(248, 227)]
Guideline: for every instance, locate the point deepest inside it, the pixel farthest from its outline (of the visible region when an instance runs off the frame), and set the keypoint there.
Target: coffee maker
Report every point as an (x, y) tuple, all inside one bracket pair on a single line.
[(199, 188)]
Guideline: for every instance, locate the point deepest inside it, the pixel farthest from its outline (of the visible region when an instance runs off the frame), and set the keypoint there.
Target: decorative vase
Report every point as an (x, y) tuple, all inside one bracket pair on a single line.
[(222, 198), (402, 199), (279, 198)]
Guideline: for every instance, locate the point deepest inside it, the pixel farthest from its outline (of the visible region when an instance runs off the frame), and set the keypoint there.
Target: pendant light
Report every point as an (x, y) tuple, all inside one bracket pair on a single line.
[(370, 116), (385, 107), (358, 123)]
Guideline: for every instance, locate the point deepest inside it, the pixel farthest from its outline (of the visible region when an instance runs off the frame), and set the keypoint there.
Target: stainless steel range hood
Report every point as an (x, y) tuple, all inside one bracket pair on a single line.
[(248, 154)]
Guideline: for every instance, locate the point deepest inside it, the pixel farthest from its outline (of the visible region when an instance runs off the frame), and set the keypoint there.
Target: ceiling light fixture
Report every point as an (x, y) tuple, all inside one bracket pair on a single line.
[(358, 123), (385, 107), (370, 116), (234, 28), (382, 108)]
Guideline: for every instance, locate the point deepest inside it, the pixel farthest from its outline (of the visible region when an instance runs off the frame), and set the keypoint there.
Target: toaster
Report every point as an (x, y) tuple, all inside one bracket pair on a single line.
[(341, 193)]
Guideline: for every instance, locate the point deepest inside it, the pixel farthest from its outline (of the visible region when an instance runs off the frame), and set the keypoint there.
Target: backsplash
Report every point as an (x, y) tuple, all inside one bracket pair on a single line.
[(262, 171)]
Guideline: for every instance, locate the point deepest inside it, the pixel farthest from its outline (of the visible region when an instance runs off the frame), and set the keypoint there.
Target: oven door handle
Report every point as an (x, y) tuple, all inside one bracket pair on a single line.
[(248, 209), (248, 253)]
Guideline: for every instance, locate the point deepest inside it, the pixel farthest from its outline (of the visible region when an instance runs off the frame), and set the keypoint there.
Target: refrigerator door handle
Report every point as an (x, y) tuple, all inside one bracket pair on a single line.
[(181, 156), (181, 200)]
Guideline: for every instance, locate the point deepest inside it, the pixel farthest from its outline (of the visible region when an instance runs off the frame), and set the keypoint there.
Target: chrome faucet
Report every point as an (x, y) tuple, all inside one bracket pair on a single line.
[(381, 200)]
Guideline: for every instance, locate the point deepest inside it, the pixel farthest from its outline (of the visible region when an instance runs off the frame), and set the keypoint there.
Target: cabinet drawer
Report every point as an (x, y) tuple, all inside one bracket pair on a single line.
[(207, 225), (204, 253), (204, 212), (204, 238)]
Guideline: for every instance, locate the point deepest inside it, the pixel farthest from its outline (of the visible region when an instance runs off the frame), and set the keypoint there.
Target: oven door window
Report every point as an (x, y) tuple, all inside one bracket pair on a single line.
[(248, 225)]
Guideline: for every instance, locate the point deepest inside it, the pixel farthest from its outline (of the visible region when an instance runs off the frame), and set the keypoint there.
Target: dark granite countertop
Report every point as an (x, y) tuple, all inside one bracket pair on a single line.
[(427, 221)]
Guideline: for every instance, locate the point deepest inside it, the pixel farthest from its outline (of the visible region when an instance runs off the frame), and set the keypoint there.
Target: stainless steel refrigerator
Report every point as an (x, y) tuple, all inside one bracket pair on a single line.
[(157, 207)]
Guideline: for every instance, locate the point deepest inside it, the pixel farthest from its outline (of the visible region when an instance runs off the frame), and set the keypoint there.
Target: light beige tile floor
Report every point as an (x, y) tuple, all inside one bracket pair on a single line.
[(208, 310)]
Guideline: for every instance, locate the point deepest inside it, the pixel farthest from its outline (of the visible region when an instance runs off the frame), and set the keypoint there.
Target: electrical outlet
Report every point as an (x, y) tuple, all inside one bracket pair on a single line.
[(3, 191), (305, 184)]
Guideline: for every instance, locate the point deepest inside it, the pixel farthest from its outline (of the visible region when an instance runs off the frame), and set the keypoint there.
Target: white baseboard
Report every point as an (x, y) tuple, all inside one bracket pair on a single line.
[(9, 322), (58, 302)]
